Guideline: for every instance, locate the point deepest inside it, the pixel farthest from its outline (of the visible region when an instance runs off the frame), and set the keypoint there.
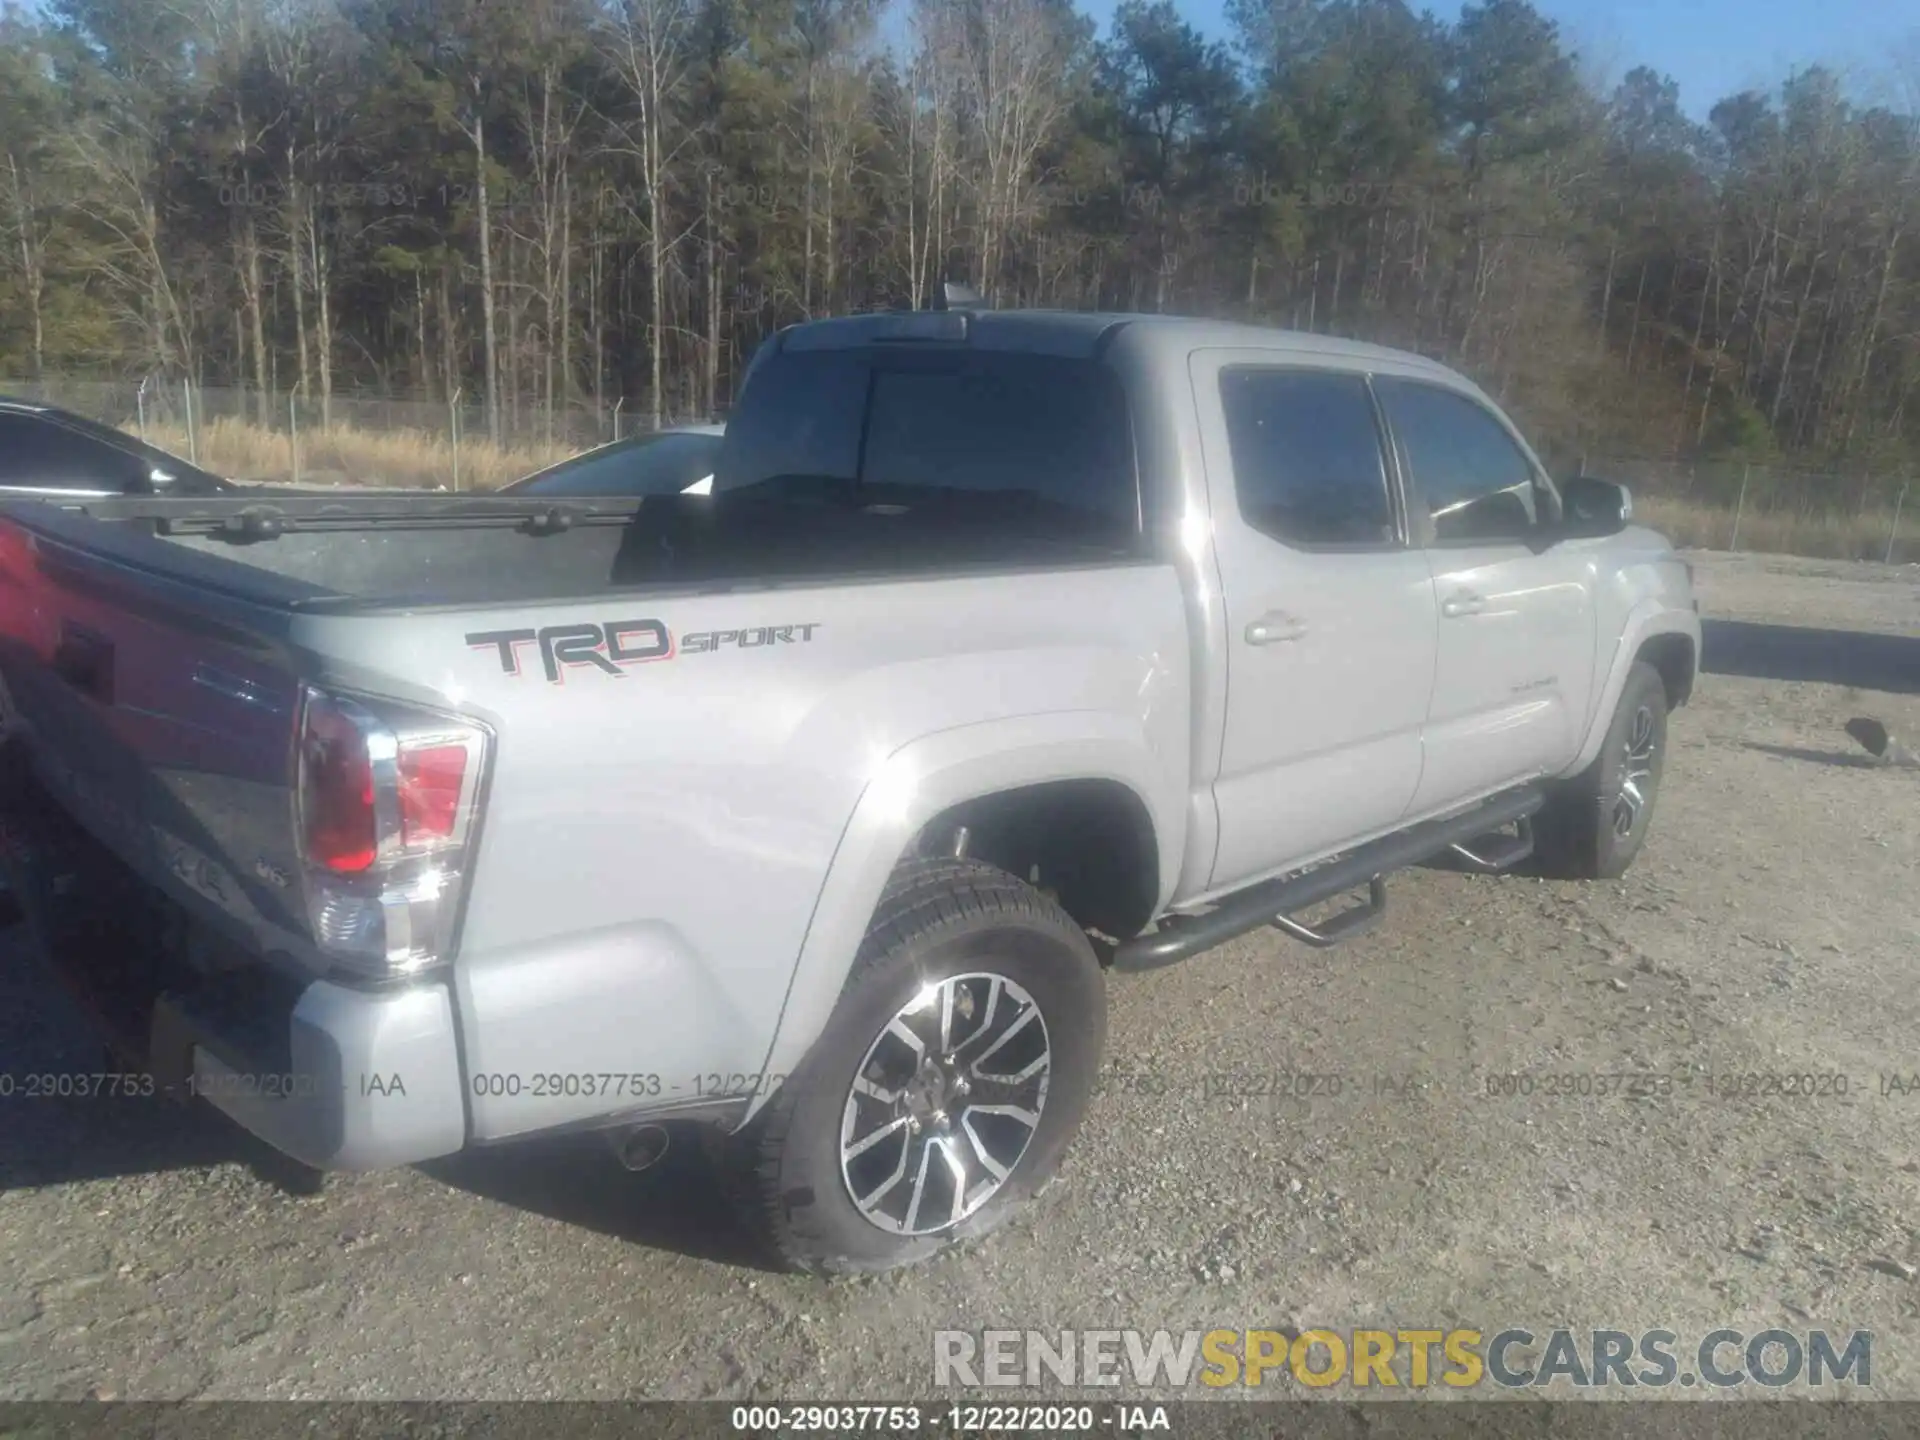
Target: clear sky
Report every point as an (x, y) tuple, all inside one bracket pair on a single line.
[(1713, 48)]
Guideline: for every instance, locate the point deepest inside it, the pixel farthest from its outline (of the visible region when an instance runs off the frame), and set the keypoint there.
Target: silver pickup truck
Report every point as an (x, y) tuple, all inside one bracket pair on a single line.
[(1008, 648)]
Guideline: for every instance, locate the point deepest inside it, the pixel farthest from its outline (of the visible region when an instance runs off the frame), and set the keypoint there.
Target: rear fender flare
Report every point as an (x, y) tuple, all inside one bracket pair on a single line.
[(916, 783)]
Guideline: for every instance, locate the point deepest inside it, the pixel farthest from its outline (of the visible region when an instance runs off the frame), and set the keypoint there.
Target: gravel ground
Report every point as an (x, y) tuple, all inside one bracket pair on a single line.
[(1771, 927)]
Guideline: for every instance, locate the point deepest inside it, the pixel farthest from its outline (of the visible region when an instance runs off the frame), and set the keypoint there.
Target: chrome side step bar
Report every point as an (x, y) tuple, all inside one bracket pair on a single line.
[(1275, 902), (1494, 853), (1344, 926)]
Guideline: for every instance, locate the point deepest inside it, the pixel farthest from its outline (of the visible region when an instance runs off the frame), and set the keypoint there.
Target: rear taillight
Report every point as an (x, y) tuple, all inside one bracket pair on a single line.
[(336, 790), (388, 798), (431, 780)]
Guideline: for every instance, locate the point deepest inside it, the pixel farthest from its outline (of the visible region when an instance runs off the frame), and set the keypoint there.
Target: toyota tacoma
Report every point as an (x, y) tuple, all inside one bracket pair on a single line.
[(1007, 649)]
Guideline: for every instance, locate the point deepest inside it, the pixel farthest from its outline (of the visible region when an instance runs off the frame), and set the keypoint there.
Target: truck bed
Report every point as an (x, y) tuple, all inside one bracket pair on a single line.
[(430, 550)]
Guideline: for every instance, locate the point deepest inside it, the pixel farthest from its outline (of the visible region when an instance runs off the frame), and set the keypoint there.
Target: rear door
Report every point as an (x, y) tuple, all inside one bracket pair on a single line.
[(1329, 608), (1516, 644)]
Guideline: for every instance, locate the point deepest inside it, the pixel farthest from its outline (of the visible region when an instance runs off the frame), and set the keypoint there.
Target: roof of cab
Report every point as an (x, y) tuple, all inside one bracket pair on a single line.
[(1084, 333)]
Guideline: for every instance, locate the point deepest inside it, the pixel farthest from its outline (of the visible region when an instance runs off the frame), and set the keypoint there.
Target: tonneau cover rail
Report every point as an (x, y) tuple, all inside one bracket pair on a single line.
[(245, 519)]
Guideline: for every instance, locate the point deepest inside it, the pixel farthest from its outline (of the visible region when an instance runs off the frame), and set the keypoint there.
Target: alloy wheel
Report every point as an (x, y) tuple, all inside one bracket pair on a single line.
[(1636, 775), (944, 1104)]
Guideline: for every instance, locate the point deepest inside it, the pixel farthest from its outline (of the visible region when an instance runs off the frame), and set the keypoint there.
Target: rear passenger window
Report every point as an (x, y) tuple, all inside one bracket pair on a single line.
[(1307, 463), (1477, 484)]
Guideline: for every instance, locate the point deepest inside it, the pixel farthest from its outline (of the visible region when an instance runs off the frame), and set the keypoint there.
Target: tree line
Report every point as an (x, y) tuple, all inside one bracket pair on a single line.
[(549, 204)]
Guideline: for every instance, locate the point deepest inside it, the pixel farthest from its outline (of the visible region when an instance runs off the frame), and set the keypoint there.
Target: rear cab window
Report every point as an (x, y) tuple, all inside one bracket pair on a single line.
[(1005, 447)]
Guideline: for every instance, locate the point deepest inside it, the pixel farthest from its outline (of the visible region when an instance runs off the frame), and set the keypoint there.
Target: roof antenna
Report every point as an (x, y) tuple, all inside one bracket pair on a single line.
[(955, 296)]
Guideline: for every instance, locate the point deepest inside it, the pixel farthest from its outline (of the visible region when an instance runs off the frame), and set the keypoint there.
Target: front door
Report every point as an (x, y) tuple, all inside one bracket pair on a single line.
[(1329, 610), (1516, 632)]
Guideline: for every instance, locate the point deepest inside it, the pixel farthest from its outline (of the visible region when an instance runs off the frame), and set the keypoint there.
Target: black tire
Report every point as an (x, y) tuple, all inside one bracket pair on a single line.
[(1582, 832), (937, 919)]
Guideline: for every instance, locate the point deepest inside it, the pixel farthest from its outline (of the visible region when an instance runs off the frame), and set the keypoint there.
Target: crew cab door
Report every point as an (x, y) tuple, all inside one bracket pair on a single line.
[(1516, 631), (1329, 611)]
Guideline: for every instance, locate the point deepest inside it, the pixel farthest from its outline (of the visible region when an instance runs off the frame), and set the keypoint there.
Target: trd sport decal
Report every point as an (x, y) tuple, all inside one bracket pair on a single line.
[(615, 644)]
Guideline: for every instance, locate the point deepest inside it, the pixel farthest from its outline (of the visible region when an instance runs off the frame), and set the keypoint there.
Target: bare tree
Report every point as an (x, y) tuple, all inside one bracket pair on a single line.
[(233, 30), (550, 117), (1012, 55), (839, 138), (119, 196), (23, 216), (648, 42), (932, 121)]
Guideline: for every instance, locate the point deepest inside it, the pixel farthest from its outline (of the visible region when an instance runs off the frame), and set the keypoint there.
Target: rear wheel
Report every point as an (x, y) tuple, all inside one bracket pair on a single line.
[(1594, 824), (946, 1087)]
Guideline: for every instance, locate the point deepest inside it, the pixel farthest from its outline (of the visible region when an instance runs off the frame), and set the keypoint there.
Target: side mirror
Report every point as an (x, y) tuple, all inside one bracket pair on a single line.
[(1592, 507)]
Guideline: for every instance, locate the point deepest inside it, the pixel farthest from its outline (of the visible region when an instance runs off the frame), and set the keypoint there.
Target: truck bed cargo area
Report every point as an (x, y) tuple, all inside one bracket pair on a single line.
[(325, 555)]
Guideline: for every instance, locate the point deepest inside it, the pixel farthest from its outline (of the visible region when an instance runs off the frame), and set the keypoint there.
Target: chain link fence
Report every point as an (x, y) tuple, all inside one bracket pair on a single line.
[(243, 434), (358, 439), (1732, 505)]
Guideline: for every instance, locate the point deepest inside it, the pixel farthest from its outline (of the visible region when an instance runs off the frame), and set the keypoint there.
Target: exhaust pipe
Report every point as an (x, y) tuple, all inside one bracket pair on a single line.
[(640, 1147)]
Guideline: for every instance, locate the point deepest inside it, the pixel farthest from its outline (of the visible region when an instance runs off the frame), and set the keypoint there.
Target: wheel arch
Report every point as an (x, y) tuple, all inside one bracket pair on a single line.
[(1676, 656), (1667, 638), (1088, 766)]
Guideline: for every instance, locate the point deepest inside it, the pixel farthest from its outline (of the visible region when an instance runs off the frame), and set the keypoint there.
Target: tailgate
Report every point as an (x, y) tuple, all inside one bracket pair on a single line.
[(161, 717)]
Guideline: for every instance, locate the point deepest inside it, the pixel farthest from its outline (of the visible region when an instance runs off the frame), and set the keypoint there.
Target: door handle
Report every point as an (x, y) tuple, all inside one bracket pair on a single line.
[(1464, 603), (1274, 627)]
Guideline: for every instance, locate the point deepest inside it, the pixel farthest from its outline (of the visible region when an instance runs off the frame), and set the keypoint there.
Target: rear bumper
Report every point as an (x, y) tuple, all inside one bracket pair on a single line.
[(337, 1077), (371, 1080)]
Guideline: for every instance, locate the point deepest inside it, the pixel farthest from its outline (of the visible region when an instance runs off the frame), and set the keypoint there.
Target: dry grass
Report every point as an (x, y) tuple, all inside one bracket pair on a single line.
[(1859, 536), (413, 458), (403, 458)]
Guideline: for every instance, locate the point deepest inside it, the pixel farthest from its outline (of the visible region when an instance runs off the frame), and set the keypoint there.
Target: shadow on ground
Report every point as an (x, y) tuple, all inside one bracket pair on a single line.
[(1862, 659), (1839, 758), (51, 1138), (676, 1204), (47, 1046)]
